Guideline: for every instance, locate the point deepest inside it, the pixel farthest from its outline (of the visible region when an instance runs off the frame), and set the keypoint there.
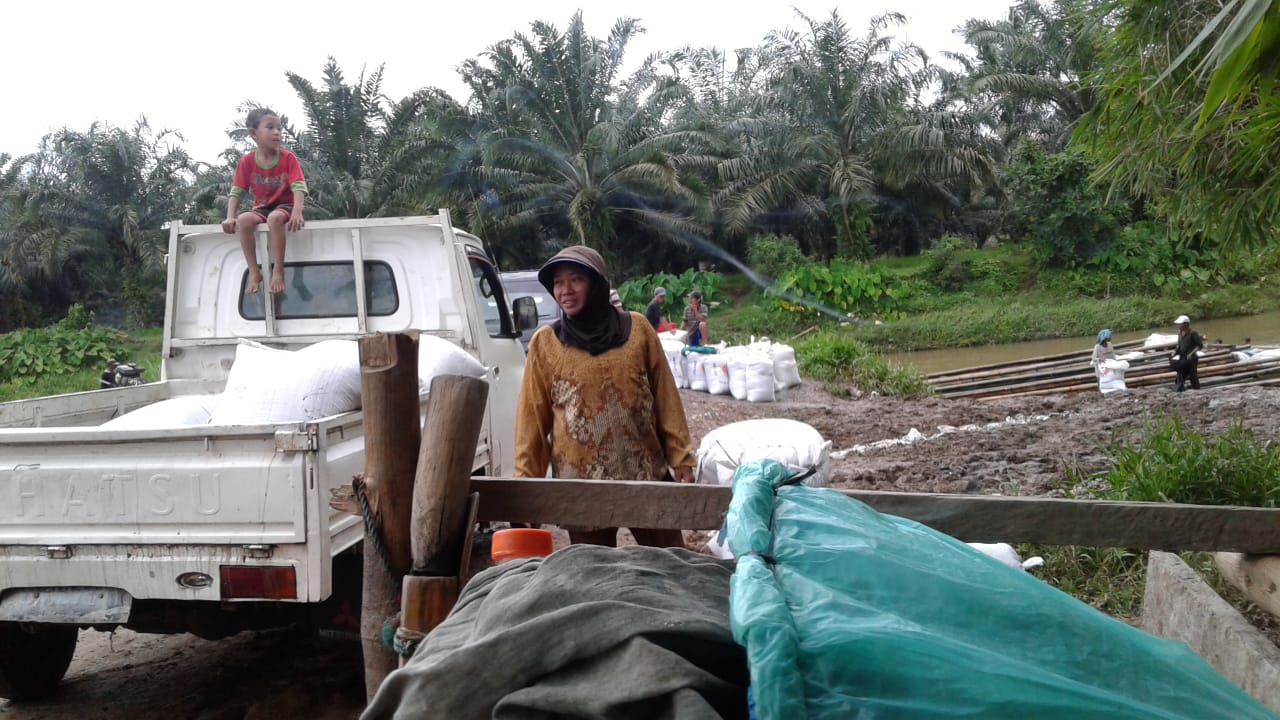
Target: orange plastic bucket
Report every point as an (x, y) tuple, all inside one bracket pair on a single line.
[(520, 542)]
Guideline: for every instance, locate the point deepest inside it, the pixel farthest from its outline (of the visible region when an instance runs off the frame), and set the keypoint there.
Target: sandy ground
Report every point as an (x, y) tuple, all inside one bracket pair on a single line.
[(1004, 446)]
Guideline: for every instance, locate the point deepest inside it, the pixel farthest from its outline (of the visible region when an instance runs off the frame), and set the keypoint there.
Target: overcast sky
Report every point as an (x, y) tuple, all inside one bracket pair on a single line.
[(187, 66)]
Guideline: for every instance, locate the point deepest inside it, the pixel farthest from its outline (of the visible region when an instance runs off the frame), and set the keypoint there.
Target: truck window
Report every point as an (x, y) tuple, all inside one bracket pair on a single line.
[(493, 306), (326, 290)]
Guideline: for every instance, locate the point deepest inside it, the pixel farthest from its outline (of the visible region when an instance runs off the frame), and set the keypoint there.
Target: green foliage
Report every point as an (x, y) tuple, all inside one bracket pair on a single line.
[(1167, 463), (948, 265), (142, 348), (1146, 258), (1112, 580), (851, 289), (1171, 463), (25, 355), (842, 362), (773, 256), (1055, 204), (636, 294)]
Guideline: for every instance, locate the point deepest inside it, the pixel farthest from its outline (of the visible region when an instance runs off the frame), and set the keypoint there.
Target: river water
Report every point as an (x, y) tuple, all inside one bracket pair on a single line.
[(1262, 329)]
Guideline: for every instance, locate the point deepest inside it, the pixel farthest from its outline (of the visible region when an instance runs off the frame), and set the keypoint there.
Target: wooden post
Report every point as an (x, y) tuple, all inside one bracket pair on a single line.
[(389, 397), (440, 500)]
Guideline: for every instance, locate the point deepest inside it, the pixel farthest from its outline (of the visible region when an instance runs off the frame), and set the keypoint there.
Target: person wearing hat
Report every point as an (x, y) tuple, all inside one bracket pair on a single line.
[(1185, 359), (695, 320), (1102, 349), (598, 400), (653, 313), (108, 377)]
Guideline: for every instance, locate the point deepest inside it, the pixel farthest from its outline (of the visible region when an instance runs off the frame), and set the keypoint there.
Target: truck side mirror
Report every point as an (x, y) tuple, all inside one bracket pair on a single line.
[(526, 312)]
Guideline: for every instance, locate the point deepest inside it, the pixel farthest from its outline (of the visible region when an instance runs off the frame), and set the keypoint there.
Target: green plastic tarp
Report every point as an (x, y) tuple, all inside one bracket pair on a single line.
[(848, 613)]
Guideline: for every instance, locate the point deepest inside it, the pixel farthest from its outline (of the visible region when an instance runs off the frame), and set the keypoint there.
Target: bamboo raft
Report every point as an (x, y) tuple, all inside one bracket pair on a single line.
[(1071, 372)]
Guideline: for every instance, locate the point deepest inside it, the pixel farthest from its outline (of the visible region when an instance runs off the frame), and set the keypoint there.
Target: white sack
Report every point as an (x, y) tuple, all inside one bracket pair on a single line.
[(794, 444), (1111, 376), (717, 371), (697, 369), (437, 356), (267, 386), (760, 380), (174, 412), (786, 373), (738, 375)]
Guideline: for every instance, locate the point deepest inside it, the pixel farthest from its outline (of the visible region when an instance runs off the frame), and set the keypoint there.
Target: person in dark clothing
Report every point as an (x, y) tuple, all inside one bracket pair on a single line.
[(653, 313), (1185, 359), (108, 377)]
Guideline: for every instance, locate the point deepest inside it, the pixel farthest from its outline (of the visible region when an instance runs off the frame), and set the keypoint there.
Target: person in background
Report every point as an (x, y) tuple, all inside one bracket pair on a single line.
[(598, 400), (653, 313), (1102, 349), (1185, 360), (695, 320), (108, 377)]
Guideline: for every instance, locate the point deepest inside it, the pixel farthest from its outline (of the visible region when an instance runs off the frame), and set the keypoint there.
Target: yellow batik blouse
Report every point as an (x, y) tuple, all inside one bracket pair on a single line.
[(615, 416)]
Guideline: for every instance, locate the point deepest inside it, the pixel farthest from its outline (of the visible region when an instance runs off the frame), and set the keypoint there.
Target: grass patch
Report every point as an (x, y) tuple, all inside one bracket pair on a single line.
[(1171, 463), (844, 364), (142, 347), (1168, 463)]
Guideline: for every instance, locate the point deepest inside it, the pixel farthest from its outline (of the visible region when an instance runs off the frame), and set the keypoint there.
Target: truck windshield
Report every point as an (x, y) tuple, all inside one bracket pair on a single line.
[(325, 290)]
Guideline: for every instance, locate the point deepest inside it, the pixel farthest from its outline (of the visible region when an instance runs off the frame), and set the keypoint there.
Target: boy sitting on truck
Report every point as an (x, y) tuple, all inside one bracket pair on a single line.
[(273, 177)]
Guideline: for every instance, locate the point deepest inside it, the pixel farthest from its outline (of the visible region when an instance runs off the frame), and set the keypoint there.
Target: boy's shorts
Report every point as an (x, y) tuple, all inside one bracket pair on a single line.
[(264, 211)]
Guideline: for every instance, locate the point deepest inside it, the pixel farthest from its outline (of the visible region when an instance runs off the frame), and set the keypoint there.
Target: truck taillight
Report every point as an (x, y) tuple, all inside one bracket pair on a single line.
[(259, 582)]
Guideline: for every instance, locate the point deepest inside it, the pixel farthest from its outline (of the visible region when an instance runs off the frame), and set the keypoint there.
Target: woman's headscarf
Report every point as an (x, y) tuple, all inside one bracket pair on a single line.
[(1103, 336), (599, 326)]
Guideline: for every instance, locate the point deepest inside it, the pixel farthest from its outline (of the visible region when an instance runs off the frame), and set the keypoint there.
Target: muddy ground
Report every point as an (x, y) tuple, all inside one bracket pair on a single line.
[(280, 675)]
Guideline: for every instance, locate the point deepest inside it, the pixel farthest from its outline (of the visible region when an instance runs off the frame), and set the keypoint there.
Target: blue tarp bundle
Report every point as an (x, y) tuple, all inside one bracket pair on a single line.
[(847, 613)]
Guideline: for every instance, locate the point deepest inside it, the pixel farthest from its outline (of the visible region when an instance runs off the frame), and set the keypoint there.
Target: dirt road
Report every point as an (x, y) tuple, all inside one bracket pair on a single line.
[(1003, 446)]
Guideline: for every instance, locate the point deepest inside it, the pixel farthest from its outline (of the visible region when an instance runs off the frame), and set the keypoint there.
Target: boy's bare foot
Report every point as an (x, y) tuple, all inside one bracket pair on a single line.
[(277, 282), (255, 284)]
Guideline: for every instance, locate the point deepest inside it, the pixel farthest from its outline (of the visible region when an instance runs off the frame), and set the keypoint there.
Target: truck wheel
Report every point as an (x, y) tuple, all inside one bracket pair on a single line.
[(33, 658)]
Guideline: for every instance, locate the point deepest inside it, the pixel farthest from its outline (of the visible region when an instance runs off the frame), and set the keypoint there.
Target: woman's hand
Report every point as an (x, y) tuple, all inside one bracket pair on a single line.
[(684, 475)]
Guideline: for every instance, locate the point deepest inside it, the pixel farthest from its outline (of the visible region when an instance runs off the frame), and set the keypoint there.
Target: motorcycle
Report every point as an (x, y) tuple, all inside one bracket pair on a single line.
[(121, 375), (129, 374)]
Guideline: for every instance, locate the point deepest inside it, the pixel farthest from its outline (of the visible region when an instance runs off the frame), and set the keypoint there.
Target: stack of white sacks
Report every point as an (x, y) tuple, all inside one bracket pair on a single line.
[(266, 385), (755, 372)]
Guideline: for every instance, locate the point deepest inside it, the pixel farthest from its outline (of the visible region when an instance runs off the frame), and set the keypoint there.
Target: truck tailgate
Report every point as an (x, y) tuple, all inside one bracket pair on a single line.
[(237, 485)]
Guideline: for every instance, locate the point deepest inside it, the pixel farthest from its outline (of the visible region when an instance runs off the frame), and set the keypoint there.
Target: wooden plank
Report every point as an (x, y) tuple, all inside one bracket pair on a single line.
[(973, 518)]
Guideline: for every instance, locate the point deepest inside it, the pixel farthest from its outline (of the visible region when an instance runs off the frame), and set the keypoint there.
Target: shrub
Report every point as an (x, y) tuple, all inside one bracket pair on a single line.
[(636, 294), (842, 361), (1058, 207), (62, 348), (772, 255), (845, 288)]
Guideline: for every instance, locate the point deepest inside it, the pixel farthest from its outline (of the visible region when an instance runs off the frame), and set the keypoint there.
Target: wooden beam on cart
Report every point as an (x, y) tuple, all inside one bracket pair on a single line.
[(972, 518)]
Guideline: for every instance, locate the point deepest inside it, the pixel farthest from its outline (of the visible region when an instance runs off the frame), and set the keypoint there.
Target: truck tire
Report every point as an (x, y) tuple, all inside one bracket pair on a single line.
[(34, 657)]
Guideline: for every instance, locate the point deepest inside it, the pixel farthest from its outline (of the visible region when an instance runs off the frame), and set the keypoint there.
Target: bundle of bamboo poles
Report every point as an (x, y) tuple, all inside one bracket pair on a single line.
[(1071, 372)]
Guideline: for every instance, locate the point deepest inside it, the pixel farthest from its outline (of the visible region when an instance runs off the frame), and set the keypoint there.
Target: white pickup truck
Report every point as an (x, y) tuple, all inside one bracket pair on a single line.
[(214, 529)]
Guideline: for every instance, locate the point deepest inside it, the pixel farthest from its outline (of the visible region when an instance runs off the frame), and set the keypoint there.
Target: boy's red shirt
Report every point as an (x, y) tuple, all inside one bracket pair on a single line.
[(269, 186)]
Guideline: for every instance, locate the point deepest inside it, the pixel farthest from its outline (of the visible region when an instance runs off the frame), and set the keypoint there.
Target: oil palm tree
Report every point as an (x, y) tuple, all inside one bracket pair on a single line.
[(811, 152), (366, 155), (577, 150)]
